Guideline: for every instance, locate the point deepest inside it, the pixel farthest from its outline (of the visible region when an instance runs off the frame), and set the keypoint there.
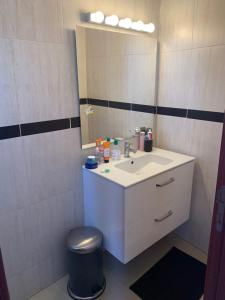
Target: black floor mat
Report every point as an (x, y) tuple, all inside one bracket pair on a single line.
[(177, 276)]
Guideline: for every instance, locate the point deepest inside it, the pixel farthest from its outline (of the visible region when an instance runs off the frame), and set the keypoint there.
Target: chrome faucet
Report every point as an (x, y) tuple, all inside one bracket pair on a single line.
[(128, 149)]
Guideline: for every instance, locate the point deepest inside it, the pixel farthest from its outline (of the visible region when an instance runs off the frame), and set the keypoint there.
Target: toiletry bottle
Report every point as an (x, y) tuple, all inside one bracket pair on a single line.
[(150, 133), (98, 153), (121, 143), (137, 138), (116, 153), (101, 149), (106, 146), (142, 141), (147, 144)]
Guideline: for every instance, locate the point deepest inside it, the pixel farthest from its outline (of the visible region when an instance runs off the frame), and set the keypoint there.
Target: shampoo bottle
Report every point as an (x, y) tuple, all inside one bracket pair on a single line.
[(142, 141)]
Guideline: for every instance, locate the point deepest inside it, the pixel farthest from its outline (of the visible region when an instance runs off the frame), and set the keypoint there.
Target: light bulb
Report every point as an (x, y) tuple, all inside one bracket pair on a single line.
[(149, 27), (139, 25), (112, 20), (125, 23), (97, 17)]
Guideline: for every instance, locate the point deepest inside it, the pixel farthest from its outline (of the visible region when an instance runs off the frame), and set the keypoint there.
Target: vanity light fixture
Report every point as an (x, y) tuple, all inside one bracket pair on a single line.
[(96, 17), (139, 26), (112, 20), (125, 23), (99, 18), (149, 27)]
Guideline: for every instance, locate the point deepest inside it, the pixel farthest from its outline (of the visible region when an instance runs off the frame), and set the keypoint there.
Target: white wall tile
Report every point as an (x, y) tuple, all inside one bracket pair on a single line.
[(172, 133), (84, 118), (208, 71), (8, 102), (8, 18), (141, 79), (97, 77), (14, 191), (176, 79), (176, 24), (50, 169), (139, 119), (45, 82), (11, 239), (81, 61), (209, 23), (39, 20), (197, 229), (202, 140)]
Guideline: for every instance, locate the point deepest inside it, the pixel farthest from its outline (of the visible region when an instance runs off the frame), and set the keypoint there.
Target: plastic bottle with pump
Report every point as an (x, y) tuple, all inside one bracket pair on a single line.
[(116, 152)]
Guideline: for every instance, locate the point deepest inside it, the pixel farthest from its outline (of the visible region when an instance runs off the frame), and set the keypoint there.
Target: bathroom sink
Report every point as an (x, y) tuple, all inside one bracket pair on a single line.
[(135, 165)]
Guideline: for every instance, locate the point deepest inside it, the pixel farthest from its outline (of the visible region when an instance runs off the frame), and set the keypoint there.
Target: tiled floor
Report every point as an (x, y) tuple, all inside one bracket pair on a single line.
[(119, 277)]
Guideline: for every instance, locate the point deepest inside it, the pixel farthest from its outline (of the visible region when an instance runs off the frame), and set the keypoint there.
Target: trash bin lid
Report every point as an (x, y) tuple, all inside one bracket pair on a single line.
[(84, 240)]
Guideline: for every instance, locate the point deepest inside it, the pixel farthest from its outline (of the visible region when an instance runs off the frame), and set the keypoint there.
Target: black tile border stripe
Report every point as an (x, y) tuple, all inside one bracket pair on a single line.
[(98, 102), (9, 132), (120, 105), (160, 110), (206, 115), (75, 122), (45, 126), (172, 111), (143, 108), (83, 101)]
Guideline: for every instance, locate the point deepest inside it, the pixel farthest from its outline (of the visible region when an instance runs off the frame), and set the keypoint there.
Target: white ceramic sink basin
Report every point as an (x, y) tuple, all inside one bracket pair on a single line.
[(135, 165)]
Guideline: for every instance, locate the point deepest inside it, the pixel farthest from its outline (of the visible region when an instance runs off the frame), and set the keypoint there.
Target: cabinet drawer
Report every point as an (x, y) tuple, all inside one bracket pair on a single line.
[(156, 207), (172, 187)]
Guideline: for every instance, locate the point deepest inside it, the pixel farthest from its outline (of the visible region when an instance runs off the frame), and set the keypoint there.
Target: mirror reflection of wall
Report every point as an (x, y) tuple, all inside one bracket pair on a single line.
[(116, 74)]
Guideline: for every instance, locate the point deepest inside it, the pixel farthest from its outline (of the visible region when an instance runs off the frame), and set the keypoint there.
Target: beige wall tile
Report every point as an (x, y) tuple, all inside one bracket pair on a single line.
[(141, 79), (172, 133), (197, 229), (8, 18), (39, 20), (45, 82), (8, 101), (97, 77), (202, 140), (84, 118), (81, 61), (208, 89), (117, 78), (176, 78), (139, 119), (99, 123), (205, 141), (96, 43), (118, 123), (176, 24), (209, 23)]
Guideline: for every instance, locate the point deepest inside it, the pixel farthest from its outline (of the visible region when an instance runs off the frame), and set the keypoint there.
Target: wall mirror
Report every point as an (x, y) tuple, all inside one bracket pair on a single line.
[(117, 78)]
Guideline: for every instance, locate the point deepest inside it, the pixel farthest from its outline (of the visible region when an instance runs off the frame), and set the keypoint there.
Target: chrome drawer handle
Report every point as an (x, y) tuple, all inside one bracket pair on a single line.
[(166, 183), (164, 217)]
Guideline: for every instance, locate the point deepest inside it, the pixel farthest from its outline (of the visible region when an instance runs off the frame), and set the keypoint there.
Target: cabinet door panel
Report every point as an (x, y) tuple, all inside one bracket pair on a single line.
[(155, 207)]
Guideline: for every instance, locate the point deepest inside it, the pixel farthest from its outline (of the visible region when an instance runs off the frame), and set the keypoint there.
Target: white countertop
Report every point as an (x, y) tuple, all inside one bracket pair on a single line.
[(126, 179)]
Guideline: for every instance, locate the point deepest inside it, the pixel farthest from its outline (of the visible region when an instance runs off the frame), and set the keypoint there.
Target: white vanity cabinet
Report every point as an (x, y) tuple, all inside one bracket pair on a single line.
[(135, 217)]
